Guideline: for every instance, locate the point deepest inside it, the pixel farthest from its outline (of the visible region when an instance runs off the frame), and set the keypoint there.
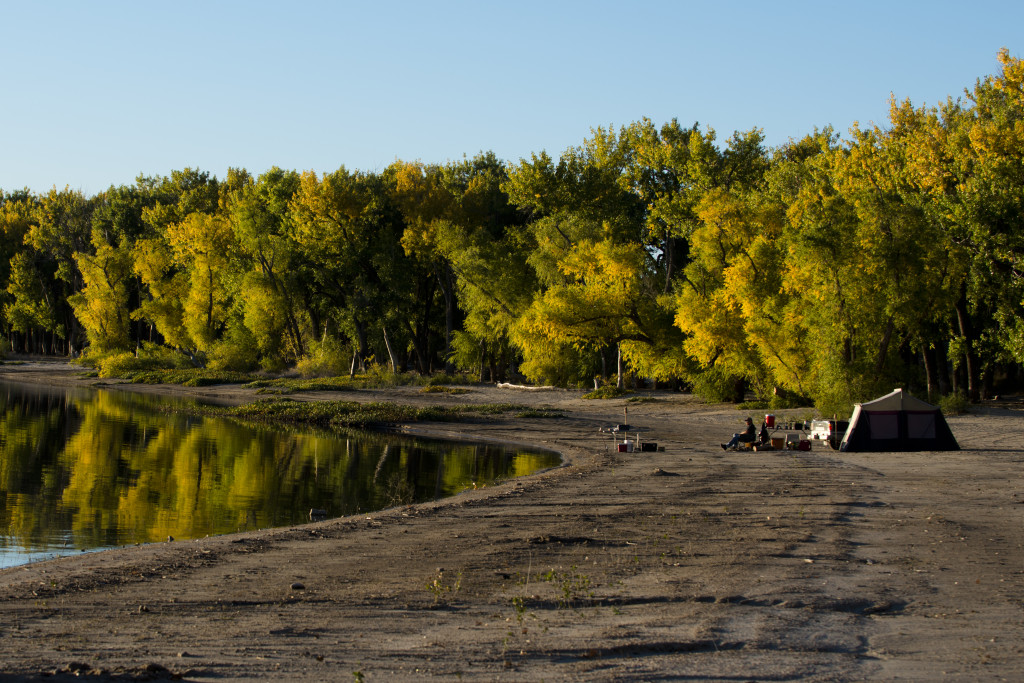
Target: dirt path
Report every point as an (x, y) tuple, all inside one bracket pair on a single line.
[(690, 563)]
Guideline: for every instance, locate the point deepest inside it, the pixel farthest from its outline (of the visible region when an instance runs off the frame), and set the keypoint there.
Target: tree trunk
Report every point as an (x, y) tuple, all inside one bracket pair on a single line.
[(420, 345), (883, 347), (928, 356), (391, 353), (363, 346), (942, 369), (946, 379), (620, 380), (502, 369), (739, 390), (483, 355), (971, 363), (447, 278)]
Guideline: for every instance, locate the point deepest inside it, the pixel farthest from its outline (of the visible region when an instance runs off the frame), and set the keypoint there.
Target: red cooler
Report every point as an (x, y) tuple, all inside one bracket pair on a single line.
[(770, 421)]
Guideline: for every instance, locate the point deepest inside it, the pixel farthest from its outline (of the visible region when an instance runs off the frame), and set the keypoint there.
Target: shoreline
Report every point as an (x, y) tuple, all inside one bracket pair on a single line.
[(690, 562)]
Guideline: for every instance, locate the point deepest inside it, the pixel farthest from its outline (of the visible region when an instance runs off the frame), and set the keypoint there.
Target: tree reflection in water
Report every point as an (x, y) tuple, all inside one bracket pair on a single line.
[(83, 470)]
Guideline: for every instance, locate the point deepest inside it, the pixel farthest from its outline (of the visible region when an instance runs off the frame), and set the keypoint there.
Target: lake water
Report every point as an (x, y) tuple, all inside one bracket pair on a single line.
[(90, 469)]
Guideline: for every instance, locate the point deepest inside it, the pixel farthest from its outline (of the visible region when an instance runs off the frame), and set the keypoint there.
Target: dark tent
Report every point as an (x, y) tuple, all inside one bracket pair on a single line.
[(898, 422)]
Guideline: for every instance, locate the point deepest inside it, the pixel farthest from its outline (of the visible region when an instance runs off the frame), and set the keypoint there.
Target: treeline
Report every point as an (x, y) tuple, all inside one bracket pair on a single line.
[(826, 268)]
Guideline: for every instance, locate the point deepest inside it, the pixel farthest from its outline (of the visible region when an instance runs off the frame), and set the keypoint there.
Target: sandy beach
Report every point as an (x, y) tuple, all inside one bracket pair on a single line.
[(689, 563)]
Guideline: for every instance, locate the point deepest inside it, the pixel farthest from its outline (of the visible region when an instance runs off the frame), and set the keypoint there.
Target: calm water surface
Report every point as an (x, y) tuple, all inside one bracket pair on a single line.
[(86, 470)]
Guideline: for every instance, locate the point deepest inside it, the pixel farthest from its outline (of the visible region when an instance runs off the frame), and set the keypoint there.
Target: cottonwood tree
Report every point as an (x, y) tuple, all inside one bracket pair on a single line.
[(274, 281)]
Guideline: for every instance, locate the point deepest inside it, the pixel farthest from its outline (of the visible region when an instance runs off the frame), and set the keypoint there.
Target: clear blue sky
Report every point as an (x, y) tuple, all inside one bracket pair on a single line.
[(95, 93)]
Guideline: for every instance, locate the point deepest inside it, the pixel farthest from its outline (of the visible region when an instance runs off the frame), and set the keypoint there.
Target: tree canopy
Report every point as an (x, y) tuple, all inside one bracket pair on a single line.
[(826, 268)]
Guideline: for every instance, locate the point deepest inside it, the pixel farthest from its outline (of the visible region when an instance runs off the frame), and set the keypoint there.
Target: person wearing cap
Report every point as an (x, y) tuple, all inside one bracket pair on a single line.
[(748, 435)]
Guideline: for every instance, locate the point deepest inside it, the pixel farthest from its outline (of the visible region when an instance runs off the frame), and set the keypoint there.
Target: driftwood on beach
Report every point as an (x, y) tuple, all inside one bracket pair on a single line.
[(524, 387)]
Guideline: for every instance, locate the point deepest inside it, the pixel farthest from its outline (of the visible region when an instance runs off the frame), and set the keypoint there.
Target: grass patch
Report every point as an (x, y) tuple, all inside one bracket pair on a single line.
[(341, 414), (608, 391), (643, 399), (288, 386), (376, 378), (541, 413), (193, 377), (440, 389)]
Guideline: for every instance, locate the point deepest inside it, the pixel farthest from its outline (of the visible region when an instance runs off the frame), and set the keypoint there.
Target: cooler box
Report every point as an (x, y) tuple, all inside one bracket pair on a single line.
[(770, 421), (803, 445), (778, 443)]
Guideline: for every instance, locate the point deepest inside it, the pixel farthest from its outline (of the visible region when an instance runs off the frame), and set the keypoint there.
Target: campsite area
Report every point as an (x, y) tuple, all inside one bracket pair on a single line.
[(689, 563)]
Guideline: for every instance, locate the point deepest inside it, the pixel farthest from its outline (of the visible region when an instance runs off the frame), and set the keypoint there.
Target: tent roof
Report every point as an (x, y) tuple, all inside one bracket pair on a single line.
[(897, 400)]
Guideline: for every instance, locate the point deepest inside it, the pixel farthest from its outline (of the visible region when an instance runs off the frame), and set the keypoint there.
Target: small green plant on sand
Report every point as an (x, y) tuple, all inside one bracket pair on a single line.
[(573, 585), (519, 607), (444, 587)]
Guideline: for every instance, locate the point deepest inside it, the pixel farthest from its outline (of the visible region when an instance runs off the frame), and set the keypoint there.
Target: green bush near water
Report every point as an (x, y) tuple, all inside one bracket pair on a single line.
[(149, 358), (352, 414), (193, 377), (288, 386)]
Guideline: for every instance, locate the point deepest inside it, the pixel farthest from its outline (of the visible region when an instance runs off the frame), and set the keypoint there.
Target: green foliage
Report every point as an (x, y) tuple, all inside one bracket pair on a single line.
[(380, 376), (433, 389), (325, 358), (444, 379), (351, 414), (573, 585), (954, 404), (775, 403), (714, 385), (444, 587), (824, 267), (563, 365), (287, 386), (126, 365), (607, 391), (237, 351), (102, 304), (539, 413), (194, 377)]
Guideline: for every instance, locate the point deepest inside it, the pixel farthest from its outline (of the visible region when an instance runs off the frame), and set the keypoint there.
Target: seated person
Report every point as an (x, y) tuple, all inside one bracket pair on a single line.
[(763, 437), (748, 435)]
